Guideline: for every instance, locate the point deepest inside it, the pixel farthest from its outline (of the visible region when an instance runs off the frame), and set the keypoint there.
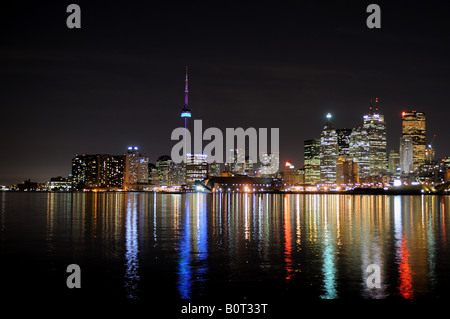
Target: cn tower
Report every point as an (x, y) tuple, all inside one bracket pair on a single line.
[(185, 112)]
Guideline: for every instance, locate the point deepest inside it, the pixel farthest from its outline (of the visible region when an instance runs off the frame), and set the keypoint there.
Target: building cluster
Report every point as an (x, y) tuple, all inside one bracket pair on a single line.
[(133, 171), (337, 159), (358, 157)]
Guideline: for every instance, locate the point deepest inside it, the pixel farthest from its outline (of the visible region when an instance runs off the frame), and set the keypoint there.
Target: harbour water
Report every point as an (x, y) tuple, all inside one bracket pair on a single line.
[(143, 247)]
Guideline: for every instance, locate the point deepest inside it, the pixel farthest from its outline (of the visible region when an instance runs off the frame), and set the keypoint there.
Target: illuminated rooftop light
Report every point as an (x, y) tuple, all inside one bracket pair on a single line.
[(329, 116)]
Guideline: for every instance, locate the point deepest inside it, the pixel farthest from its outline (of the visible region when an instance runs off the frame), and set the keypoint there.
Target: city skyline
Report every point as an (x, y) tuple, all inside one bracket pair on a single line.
[(109, 84)]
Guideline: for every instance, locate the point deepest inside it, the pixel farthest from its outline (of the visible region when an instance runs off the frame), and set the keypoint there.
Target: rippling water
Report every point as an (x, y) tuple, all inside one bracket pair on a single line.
[(148, 246)]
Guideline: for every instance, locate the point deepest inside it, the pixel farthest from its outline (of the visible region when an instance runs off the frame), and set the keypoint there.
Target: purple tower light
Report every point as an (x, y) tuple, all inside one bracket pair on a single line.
[(186, 112)]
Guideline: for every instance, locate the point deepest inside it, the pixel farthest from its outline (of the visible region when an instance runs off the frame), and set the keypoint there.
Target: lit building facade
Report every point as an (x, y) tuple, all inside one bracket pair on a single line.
[(196, 169), (413, 127), (328, 153), (163, 167), (375, 127), (98, 171), (346, 171), (406, 155), (359, 150), (394, 162), (136, 169), (312, 161), (343, 137)]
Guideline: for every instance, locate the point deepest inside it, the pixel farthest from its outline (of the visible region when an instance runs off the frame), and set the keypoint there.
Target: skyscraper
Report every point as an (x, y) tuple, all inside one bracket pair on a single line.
[(359, 149), (343, 136), (394, 161), (312, 161), (406, 155), (136, 169), (376, 132), (328, 153), (413, 127), (163, 166)]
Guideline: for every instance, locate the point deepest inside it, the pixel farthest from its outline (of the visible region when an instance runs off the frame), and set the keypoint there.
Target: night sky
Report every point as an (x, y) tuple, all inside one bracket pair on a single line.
[(119, 80)]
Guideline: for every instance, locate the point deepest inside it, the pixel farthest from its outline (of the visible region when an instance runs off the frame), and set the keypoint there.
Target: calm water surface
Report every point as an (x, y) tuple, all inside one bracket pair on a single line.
[(147, 246)]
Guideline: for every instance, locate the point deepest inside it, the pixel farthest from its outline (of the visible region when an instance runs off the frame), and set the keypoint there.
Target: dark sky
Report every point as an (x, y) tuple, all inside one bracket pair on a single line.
[(119, 80)]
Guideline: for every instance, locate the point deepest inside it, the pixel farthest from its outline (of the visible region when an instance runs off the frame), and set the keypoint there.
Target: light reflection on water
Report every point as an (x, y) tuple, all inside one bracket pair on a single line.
[(200, 245)]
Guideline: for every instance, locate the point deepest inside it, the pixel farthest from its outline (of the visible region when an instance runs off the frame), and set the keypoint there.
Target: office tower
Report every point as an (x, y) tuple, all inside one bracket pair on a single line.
[(196, 169), (177, 174), (346, 171), (79, 171), (328, 153), (312, 161), (85, 171), (394, 161), (359, 149), (376, 131), (406, 155), (237, 165), (163, 166), (185, 112), (413, 127), (343, 136), (136, 169), (153, 174)]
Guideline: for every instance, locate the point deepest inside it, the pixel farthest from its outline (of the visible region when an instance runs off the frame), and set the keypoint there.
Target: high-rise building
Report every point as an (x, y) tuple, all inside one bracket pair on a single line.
[(359, 150), (312, 161), (163, 166), (376, 132), (394, 161), (328, 153), (343, 136), (111, 168), (177, 174), (413, 127), (346, 171), (196, 169), (136, 169), (98, 171), (406, 155)]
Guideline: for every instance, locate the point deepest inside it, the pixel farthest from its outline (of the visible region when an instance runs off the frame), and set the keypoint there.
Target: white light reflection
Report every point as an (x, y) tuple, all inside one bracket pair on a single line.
[(132, 249)]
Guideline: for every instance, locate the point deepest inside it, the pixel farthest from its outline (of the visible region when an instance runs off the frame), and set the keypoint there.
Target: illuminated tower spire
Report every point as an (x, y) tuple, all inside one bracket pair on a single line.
[(186, 91), (186, 112)]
